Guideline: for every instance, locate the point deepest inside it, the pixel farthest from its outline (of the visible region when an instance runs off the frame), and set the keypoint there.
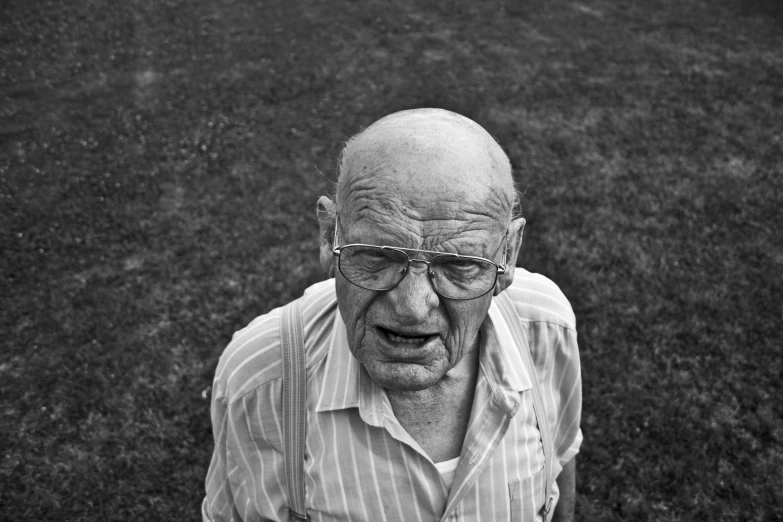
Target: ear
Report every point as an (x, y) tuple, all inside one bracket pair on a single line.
[(326, 213), (515, 230)]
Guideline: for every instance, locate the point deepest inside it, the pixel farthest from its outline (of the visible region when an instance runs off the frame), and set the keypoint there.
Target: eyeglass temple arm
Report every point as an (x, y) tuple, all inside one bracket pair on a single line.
[(502, 269), (335, 249)]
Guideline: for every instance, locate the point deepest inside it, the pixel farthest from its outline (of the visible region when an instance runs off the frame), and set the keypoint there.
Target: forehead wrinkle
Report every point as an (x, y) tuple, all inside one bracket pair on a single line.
[(391, 225), (379, 186), (365, 195)]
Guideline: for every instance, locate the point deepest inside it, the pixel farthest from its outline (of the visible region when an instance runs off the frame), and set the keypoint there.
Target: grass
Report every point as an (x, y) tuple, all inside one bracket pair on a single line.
[(159, 165)]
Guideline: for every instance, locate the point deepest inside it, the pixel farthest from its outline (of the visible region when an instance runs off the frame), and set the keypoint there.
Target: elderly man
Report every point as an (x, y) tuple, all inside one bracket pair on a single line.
[(441, 383)]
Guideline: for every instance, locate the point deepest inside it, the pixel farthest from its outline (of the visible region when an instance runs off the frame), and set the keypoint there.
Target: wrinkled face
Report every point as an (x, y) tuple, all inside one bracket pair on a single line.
[(408, 337)]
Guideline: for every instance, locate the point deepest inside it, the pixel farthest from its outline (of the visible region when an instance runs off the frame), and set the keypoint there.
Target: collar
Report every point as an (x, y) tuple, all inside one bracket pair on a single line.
[(502, 356), (347, 384)]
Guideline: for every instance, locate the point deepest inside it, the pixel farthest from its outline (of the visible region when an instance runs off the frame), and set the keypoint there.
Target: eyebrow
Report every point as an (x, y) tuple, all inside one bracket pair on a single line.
[(423, 250)]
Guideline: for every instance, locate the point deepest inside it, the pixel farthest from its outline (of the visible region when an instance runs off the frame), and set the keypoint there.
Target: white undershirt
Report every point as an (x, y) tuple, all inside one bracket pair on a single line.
[(447, 470)]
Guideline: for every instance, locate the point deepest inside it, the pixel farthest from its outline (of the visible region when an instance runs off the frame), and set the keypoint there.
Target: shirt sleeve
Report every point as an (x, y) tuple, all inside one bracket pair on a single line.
[(224, 476), (567, 392), (246, 476), (550, 323)]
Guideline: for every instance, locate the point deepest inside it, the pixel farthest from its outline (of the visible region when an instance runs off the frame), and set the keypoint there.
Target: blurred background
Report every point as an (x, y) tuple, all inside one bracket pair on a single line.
[(159, 167)]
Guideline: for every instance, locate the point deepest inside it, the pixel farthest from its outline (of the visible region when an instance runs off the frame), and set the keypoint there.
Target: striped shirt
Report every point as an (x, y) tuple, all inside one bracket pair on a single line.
[(360, 463)]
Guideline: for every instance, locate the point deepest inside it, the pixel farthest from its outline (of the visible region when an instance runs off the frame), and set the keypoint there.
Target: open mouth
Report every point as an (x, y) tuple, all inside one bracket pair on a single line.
[(398, 337)]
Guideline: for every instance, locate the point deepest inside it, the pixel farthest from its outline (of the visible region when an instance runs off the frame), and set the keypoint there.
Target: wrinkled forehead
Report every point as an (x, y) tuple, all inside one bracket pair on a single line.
[(426, 166)]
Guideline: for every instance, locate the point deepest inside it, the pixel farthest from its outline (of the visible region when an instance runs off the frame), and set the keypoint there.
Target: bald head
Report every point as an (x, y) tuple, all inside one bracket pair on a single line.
[(425, 179), (425, 151)]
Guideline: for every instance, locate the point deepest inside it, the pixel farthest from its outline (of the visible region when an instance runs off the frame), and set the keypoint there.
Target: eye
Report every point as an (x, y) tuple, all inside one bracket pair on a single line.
[(385, 255), (369, 258), (374, 255), (460, 266)]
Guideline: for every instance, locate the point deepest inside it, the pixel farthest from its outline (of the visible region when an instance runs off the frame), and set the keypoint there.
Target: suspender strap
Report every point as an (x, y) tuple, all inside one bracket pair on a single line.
[(294, 408), (512, 319)]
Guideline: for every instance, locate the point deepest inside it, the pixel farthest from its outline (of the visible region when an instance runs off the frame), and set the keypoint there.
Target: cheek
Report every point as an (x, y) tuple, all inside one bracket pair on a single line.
[(353, 303), (465, 318)]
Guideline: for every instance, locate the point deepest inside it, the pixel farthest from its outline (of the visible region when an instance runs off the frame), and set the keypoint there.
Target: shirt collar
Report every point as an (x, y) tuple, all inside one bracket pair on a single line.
[(347, 384), (501, 356)]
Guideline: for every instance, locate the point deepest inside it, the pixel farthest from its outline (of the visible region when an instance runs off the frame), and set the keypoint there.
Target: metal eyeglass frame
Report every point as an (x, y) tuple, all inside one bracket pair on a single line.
[(501, 269)]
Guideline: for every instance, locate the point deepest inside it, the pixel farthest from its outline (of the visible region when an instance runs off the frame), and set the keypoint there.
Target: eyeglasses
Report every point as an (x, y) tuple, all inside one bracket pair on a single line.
[(453, 276)]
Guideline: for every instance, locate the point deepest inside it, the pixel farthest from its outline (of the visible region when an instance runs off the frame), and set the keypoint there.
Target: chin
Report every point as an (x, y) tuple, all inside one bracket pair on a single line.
[(408, 386), (402, 377)]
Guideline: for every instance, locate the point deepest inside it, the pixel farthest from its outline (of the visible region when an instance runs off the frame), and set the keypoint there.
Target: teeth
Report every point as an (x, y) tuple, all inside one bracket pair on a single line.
[(409, 340)]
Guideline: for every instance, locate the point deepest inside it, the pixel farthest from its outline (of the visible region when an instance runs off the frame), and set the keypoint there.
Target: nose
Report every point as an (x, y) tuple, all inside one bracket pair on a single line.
[(414, 298)]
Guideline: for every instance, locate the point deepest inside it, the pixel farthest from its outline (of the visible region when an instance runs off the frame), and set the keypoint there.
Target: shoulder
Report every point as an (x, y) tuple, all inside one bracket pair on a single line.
[(253, 357), (537, 299)]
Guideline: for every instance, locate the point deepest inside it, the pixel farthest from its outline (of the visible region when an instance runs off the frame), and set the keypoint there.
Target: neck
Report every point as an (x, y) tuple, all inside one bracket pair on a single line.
[(437, 418)]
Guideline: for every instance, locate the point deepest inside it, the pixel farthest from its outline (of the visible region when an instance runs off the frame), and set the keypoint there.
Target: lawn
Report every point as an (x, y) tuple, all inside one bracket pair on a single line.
[(159, 166)]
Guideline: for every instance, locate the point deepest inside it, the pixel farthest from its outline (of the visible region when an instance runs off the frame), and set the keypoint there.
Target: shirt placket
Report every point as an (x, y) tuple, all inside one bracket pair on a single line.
[(485, 433)]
